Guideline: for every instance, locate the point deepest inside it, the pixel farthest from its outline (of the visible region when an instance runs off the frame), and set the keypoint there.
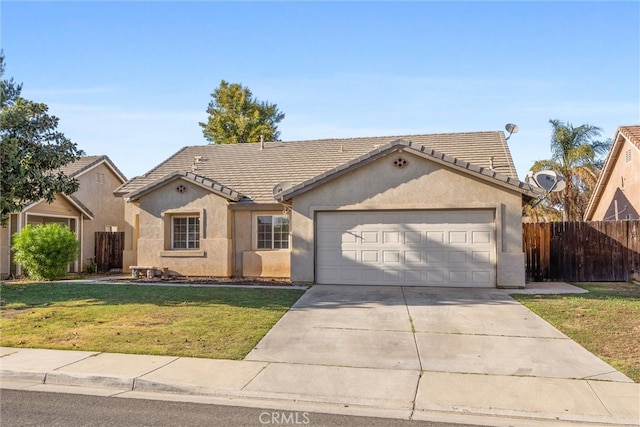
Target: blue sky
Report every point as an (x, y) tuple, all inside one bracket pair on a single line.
[(133, 79)]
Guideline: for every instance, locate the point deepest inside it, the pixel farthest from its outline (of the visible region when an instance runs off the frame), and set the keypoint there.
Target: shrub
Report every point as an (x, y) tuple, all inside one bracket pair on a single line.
[(45, 250)]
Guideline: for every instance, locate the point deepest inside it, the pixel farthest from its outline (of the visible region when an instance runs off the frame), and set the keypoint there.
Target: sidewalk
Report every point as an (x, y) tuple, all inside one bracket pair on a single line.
[(403, 392), (479, 399)]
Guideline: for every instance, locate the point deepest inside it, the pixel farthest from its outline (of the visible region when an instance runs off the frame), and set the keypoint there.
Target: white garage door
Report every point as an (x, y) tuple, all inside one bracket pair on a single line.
[(411, 248)]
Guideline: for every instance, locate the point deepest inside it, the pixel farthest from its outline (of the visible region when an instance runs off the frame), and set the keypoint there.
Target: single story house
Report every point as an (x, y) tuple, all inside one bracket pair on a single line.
[(94, 207), (617, 193), (377, 211)]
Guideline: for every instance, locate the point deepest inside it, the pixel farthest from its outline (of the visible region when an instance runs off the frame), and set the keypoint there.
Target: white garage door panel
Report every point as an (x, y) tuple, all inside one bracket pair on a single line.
[(419, 248)]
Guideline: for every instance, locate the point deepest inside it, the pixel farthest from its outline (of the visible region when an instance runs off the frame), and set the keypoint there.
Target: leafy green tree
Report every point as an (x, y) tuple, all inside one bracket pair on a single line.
[(45, 251), (574, 155), (31, 151), (235, 116)]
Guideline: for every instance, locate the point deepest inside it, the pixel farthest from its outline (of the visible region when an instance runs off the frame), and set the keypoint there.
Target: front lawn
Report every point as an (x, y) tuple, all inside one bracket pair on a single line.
[(605, 321), (217, 323)]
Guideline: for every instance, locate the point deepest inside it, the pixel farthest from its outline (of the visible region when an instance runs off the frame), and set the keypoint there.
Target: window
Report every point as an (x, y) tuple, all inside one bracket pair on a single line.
[(185, 232), (273, 232)]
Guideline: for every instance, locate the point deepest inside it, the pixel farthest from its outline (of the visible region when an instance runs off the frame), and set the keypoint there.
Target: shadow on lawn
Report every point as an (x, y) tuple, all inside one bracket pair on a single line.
[(38, 295)]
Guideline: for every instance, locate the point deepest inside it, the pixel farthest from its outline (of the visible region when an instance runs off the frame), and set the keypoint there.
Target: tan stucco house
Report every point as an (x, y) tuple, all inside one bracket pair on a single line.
[(617, 193), (377, 211), (94, 207)]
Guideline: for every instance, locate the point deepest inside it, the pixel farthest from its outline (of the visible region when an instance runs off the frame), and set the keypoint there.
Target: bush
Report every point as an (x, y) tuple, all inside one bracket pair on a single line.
[(45, 250)]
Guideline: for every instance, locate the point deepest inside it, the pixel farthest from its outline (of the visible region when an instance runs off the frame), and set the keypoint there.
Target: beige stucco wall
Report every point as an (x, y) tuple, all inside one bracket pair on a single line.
[(275, 263), (248, 260), (213, 258), (626, 198), (145, 242), (131, 234), (96, 193), (423, 184)]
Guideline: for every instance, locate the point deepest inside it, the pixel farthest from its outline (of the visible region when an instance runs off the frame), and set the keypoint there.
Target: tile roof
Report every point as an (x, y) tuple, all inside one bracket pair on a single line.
[(197, 179), (407, 146), (253, 172), (85, 163), (630, 133)]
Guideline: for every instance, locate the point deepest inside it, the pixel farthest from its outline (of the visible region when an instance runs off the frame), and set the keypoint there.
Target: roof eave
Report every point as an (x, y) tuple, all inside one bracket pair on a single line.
[(206, 183), (85, 211), (399, 145), (607, 169), (338, 171)]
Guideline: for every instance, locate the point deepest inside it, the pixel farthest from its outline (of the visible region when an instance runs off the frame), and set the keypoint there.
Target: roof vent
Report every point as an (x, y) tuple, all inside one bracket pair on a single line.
[(196, 160), (280, 187)]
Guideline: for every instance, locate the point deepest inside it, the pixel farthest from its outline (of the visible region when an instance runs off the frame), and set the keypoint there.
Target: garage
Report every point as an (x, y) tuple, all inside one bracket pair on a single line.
[(406, 248)]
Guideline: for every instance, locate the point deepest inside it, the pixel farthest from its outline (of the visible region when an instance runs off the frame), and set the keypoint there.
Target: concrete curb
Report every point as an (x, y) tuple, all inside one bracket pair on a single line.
[(130, 387)]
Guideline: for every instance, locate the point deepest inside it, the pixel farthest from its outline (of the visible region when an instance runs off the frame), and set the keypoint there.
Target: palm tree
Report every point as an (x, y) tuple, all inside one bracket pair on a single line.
[(574, 155)]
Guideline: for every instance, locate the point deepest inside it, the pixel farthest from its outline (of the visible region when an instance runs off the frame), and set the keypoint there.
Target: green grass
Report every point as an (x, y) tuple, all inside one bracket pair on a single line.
[(605, 321), (218, 323)]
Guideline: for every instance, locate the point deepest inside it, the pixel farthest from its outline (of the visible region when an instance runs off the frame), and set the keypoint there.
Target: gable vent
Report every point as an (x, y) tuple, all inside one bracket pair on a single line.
[(400, 162)]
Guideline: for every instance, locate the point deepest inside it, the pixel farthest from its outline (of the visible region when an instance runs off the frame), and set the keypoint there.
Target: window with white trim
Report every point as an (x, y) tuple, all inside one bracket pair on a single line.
[(185, 232), (273, 232)]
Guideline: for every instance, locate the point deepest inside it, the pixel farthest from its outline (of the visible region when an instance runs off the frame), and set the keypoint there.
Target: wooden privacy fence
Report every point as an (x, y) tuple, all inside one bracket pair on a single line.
[(582, 251), (109, 247)]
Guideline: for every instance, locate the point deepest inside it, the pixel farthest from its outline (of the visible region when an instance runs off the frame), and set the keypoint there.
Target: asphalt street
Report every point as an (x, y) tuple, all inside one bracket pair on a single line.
[(29, 408)]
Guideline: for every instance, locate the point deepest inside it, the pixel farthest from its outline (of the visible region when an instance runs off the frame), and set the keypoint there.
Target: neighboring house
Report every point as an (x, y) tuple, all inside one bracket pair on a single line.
[(94, 207), (617, 193), (383, 210)]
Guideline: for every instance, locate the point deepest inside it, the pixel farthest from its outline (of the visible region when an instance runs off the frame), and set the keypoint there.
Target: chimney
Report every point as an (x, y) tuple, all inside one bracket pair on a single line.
[(262, 142)]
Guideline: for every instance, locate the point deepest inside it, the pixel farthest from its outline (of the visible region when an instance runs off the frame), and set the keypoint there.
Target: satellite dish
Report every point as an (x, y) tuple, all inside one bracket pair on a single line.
[(548, 180), (560, 185), (281, 186), (511, 128)]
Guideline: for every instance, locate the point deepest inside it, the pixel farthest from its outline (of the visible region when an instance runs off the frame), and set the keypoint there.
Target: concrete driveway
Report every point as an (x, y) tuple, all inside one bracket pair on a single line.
[(463, 355), (438, 349), (481, 331)]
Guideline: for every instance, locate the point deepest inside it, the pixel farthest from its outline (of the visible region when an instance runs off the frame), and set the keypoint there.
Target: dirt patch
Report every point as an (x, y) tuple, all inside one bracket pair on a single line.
[(8, 313)]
